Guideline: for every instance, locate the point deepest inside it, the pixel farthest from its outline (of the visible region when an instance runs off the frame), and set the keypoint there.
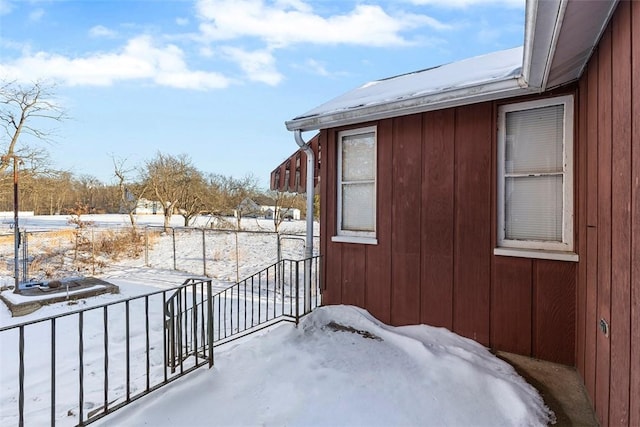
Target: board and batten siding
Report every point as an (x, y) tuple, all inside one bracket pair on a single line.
[(436, 219), (434, 261), (608, 286)]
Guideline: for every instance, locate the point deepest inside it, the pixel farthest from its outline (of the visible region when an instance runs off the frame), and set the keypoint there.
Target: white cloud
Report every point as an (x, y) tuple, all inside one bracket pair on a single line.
[(102, 31), (316, 67), (36, 15), (140, 59), (287, 22), (258, 65), (295, 4), (459, 4), (206, 52), (182, 21)]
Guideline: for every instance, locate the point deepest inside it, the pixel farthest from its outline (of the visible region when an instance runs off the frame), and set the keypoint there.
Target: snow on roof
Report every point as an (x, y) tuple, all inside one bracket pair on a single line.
[(560, 37), (467, 79)]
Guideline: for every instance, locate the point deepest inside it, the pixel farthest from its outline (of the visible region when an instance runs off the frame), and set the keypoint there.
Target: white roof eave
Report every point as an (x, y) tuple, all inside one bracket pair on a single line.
[(496, 89), (540, 69)]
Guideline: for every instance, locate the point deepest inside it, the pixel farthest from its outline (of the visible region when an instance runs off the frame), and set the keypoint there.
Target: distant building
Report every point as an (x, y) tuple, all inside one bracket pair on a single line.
[(146, 207), (266, 207)]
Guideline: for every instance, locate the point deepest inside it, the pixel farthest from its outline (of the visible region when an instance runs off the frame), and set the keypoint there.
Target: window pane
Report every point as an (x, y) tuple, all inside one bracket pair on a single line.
[(358, 157), (534, 140), (533, 208), (358, 207)]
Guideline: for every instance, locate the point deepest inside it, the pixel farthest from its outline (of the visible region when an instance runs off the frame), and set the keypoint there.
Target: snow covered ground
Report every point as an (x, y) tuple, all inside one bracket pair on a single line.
[(340, 366)]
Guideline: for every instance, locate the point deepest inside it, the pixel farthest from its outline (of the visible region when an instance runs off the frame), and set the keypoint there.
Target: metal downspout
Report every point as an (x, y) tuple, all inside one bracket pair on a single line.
[(306, 147)]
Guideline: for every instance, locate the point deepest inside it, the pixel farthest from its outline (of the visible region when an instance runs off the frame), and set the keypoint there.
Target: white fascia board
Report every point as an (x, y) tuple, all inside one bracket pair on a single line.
[(530, 15), (498, 89), (542, 24), (554, 41)]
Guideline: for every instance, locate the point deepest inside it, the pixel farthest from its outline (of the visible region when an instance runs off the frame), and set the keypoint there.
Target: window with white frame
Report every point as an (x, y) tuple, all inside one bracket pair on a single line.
[(535, 175), (356, 185)]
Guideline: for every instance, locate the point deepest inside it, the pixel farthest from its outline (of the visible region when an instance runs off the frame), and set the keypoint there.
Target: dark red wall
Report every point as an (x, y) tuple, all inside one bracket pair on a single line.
[(434, 259), (291, 174), (608, 286), (437, 224)]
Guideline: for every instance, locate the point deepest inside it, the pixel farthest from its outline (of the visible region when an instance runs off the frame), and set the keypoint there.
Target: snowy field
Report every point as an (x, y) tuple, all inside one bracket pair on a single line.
[(340, 366)]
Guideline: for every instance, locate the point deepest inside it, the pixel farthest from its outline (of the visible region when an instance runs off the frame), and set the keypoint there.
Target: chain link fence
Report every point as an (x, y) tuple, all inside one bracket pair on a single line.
[(225, 255)]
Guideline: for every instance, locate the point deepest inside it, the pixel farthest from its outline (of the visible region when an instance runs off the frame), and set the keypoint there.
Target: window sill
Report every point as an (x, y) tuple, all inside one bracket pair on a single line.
[(536, 253), (355, 239)]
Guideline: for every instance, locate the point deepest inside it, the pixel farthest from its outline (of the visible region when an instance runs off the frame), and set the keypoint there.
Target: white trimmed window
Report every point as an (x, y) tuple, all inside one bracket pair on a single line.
[(535, 175), (356, 186)]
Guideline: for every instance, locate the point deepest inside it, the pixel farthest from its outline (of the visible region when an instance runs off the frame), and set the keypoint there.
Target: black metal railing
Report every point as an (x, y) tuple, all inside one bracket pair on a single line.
[(112, 354), (189, 325), (284, 291)]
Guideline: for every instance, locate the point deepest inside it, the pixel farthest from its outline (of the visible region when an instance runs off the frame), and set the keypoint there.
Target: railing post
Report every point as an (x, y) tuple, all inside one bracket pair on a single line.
[(210, 322), (307, 285), (166, 323), (127, 350), (297, 292), (319, 280), (279, 255), (21, 378), (194, 321), (53, 372), (105, 320), (147, 343), (80, 367)]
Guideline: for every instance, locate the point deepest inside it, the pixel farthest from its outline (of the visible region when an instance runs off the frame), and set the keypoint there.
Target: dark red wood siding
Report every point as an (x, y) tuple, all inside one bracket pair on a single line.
[(437, 220), (291, 174), (609, 271), (434, 259), (634, 365), (406, 167)]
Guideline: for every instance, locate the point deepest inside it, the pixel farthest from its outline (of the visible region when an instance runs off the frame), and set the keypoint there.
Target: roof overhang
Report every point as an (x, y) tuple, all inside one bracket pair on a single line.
[(444, 99), (560, 36)]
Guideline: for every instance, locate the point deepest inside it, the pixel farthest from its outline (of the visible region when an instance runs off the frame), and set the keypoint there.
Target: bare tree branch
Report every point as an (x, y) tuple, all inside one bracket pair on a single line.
[(23, 109)]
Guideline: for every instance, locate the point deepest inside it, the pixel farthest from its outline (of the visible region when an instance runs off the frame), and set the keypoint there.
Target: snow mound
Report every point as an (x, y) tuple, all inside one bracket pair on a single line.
[(341, 366)]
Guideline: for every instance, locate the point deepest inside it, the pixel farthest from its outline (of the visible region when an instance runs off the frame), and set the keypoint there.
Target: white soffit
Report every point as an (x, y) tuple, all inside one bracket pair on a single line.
[(582, 26), (541, 27)]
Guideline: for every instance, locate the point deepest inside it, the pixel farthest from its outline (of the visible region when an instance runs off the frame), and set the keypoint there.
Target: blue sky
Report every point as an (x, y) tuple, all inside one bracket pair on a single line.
[(216, 79)]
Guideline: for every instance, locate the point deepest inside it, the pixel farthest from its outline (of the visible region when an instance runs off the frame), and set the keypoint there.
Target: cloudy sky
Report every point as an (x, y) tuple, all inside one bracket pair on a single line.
[(216, 79)]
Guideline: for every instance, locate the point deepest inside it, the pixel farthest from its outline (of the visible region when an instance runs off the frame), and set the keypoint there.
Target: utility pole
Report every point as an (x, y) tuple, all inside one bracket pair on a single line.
[(16, 230)]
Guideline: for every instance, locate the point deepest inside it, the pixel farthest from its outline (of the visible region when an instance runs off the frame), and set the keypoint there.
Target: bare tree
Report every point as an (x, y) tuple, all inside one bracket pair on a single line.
[(237, 191), (192, 191), (22, 111), (167, 176), (225, 195), (130, 193), (214, 200), (215, 195), (86, 187)]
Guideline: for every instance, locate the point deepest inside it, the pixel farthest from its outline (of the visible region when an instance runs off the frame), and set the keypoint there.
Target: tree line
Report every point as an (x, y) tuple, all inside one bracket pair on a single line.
[(170, 180)]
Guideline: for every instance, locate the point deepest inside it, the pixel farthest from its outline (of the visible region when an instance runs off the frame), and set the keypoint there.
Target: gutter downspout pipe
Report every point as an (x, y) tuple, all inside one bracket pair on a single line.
[(308, 249)]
